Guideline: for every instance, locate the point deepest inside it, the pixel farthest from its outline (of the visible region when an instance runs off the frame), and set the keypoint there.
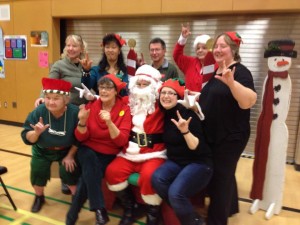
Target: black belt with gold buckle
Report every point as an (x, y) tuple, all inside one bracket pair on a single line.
[(145, 140)]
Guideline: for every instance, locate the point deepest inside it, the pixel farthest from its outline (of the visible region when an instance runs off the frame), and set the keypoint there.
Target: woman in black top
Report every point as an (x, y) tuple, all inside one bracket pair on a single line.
[(226, 101), (188, 168)]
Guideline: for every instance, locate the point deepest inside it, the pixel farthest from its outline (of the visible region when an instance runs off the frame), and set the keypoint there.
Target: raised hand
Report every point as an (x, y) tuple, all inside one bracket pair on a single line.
[(227, 75), (39, 127), (88, 95), (185, 30), (83, 114), (182, 124), (86, 62), (141, 61)]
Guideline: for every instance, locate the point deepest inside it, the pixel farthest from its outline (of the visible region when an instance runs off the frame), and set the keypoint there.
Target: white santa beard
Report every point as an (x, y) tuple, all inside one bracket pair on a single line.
[(142, 99)]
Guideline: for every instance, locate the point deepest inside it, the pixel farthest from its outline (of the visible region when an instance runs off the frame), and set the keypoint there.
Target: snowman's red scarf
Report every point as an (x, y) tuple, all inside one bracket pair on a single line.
[(263, 136)]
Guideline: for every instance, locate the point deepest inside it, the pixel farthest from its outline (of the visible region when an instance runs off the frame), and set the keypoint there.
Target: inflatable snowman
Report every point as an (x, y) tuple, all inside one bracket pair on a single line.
[(272, 133)]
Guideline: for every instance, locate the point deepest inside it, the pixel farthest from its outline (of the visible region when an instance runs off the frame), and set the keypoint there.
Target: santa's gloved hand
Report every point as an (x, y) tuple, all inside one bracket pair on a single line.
[(190, 102), (88, 95)]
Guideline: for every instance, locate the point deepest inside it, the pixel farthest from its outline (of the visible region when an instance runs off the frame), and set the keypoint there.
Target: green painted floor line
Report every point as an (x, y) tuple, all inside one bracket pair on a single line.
[(11, 219), (63, 202)]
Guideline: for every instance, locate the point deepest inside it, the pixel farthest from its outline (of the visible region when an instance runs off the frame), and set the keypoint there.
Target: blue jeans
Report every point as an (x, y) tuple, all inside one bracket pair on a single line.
[(93, 165), (176, 184)]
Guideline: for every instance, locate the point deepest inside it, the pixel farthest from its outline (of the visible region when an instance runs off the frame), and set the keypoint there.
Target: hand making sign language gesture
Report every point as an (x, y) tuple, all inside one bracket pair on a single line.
[(182, 124), (39, 127), (227, 75), (185, 30), (86, 62)]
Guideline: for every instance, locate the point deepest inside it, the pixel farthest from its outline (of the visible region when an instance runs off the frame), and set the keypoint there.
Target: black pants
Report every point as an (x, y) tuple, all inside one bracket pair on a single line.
[(223, 187)]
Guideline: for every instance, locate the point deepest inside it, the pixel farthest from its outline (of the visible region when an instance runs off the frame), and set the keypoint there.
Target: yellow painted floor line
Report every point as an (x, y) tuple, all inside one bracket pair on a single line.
[(20, 220), (28, 215), (39, 217)]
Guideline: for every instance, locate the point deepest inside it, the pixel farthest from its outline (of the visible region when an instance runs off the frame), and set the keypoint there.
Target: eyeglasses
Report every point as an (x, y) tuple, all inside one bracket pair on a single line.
[(169, 93), (108, 88), (155, 49), (57, 133)]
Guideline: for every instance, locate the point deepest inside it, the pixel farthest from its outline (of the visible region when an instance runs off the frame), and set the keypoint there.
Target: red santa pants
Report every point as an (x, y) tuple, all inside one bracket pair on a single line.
[(120, 169)]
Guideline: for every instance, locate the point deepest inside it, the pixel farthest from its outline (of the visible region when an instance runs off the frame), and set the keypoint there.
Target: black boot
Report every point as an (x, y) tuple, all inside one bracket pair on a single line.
[(38, 203), (153, 214), (128, 201), (192, 219), (101, 216), (65, 189)]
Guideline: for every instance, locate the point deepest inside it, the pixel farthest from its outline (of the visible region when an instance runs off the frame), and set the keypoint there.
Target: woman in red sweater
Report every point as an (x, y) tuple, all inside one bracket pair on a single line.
[(197, 70), (103, 130)]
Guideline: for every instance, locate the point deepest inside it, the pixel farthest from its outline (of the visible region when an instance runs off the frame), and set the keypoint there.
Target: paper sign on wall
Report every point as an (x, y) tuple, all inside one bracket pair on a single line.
[(43, 59), (15, 47)]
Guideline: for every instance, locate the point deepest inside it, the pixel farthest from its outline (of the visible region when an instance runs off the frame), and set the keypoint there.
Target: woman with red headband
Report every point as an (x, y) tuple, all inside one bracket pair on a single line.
[(103, 130), (188, 167), (112, 62), (226, 101)]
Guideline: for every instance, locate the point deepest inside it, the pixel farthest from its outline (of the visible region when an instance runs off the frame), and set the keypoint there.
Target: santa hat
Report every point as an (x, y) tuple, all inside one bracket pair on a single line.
[(283, 47), (146, 72), (56, 86), (234, 36), (175, 85), (203, 39), (118, 83)]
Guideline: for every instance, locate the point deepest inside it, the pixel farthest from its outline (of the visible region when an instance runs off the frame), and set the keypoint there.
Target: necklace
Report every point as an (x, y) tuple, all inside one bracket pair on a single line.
[(54, 132)]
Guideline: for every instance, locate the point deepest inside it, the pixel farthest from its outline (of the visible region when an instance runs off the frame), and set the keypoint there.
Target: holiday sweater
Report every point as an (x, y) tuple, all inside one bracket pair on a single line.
[(97, 136), (192, 68)]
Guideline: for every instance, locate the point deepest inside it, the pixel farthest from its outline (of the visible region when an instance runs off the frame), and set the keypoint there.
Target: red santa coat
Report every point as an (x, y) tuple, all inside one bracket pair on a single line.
[(192, 68), (142, 160), (150, 124)]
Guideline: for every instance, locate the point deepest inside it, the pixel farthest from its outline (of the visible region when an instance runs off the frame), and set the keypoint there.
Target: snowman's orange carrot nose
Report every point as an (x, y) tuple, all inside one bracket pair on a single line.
[(282, 63)]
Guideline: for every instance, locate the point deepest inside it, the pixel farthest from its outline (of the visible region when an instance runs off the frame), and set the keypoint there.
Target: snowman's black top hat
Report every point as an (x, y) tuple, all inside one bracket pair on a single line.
[(284, 47)]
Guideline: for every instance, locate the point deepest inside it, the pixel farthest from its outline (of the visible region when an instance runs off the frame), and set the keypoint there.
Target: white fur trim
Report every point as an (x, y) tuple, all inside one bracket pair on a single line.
[(143, 157), (149, 71), (152, 199), (201, 39), (117, 187)]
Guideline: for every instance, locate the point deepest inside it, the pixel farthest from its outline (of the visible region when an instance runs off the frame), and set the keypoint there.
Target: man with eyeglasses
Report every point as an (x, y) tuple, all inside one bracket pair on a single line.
[(49, 128), (157, 49)]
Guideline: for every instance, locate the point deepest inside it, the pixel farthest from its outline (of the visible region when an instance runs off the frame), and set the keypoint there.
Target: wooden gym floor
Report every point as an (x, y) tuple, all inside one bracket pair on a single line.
[(16, 157)]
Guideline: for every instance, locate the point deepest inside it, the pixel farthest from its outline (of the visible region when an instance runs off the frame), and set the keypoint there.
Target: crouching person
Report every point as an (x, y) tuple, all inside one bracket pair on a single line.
[(50, 131)]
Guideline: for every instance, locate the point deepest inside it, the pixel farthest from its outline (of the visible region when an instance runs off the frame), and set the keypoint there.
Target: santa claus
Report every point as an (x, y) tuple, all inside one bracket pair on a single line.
[(145, 151)]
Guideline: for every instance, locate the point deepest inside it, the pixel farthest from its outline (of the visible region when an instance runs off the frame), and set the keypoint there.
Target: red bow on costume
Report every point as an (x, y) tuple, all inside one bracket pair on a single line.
[(120, 39)]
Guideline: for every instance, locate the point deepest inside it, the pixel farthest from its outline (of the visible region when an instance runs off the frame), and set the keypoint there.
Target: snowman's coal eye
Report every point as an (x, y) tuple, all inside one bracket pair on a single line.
[(276, 101), (277, 88)]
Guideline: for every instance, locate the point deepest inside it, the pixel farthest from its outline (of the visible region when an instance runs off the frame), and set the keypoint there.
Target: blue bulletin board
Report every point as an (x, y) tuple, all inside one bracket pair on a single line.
[(15, 47)]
